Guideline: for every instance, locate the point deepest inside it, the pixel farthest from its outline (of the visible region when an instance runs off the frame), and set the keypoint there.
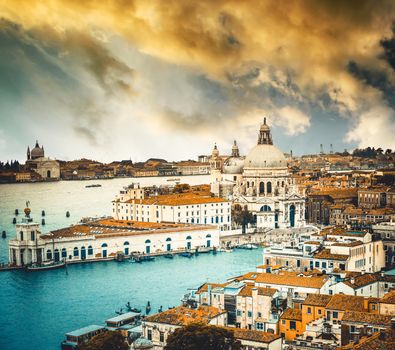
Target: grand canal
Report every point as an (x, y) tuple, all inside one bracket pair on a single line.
[(38, 308)]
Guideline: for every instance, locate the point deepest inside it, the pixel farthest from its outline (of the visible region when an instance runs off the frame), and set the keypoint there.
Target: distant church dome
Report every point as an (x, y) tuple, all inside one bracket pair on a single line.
[(264, 154), (233, 166), (37, 152)]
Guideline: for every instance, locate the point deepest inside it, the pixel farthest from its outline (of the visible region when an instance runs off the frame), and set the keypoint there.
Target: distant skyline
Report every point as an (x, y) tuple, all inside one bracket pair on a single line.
[(113, 80)]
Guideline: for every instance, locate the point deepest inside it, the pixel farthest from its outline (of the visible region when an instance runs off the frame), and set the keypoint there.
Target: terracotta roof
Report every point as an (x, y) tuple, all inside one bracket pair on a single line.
[(292, 314), (388, 298), (289, 280), (312, 242), (372, 343), (254, 335), (344, 302), (112, 228), (181, 316), (204, 287), (366, 279), (317, 300), (366, 317), (178, 199), (348, 244), (326, 254), (247, 291)]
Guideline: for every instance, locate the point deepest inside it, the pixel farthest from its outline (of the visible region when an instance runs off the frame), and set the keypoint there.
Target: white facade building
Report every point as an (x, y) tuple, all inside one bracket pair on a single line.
[(261, 182), (104, 239), (188, 208)]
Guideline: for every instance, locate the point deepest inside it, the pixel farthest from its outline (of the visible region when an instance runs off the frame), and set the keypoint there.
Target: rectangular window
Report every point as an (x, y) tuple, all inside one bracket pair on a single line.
[(32, 235), (161, 337), (249, 314), (149, 334), (292, 325), (335, 314), (309, 310)]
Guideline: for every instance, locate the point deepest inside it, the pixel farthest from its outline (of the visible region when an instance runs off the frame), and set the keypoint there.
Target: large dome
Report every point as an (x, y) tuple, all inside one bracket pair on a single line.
[(265, 156)]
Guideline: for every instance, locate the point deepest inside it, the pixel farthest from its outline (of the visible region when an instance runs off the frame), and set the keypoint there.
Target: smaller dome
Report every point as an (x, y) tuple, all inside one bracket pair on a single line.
[(37, 152), (215, 152), (233, 165)]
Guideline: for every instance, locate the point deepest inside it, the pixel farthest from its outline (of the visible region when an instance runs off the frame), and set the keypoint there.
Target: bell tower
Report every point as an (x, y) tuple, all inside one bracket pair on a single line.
[(235, 150), (265, 136)]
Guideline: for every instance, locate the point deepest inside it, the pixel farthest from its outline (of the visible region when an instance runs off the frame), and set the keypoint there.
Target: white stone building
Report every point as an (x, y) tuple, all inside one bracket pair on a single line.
[(188, 208), (47, 168), (261, 182), (103, 239)]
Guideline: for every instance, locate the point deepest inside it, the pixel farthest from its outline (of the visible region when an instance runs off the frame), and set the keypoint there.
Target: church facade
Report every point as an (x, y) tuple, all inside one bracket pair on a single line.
[(47, 168), (261, 181)]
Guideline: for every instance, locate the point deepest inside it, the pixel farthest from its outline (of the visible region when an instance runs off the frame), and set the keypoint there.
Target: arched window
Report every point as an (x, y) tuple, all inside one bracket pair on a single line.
[(75, 251), (261, 187), (126, 247), (269, 187), (266, 208), (21, 235), (64, 253), (104, 250), (168, 244), (208, 240), (147, 246), (90, 250), (282, 184), (83, 253), (208, 236), (189, 243), (56, 255), (49, 254), (248, 184)]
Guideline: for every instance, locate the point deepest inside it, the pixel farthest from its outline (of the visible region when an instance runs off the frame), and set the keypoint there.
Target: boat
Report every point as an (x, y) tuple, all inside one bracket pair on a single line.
[(203, 250), (169, 256), (47, 265), (175, 179), (93, 185), (225, 250), (248, 246), (187, 254), (147, 258)]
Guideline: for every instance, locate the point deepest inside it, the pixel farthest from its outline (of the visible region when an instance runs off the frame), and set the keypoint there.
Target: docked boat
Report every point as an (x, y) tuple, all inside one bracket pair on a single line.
[(225, 250), (175, 179), (169, 256), (187, 254), (147, 258), (93, 185), (248, 246), (48, 265), (203, 250)]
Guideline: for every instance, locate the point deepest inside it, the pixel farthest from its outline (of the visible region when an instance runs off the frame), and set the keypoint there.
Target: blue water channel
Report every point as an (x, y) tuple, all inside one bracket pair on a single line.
[(37, 308)]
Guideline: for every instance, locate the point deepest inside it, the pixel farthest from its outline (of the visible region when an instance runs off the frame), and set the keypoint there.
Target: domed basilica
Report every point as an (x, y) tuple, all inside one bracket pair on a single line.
[(260, 181)]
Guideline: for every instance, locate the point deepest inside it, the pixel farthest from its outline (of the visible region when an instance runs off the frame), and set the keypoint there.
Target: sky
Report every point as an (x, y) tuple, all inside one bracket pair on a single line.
[(133, 79)]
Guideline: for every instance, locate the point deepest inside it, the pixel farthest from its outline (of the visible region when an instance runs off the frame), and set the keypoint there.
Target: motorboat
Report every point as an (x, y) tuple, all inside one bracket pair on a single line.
[(47, 265)]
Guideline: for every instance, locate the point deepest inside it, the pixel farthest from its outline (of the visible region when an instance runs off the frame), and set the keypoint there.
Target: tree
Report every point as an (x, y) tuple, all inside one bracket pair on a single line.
[(242, 216), (198, 336), (106, 341), (180, 188)]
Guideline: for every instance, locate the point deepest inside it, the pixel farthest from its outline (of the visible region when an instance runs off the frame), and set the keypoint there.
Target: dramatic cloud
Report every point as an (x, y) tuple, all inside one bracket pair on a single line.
[(375, 127), (191, 66)]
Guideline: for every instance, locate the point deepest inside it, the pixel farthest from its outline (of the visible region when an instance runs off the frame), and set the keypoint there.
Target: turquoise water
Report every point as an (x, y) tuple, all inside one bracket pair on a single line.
[(38, 308)]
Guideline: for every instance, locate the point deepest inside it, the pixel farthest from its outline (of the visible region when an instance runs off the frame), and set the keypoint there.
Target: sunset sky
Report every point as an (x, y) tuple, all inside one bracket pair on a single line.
[(112, 80)]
